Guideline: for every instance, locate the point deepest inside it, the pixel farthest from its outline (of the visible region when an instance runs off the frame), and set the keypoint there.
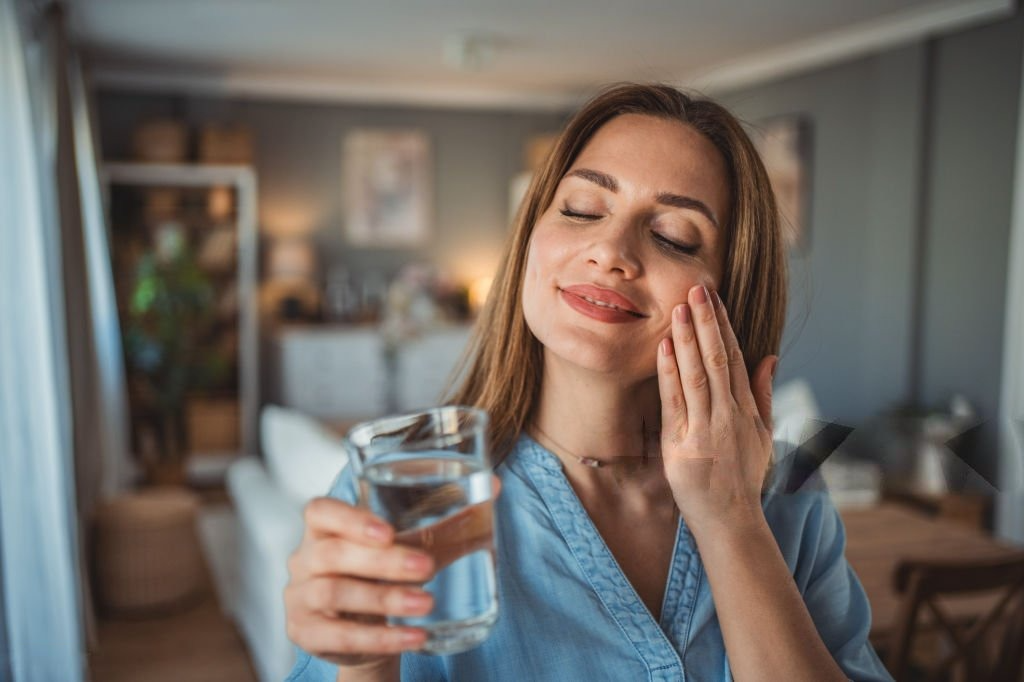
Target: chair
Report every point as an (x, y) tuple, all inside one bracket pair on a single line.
[(973, 643)]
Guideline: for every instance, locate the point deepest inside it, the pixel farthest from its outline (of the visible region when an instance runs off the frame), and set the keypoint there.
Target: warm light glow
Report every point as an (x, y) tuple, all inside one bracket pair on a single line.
[(291, 258), (288, 219), (478, 291), (220, 202)]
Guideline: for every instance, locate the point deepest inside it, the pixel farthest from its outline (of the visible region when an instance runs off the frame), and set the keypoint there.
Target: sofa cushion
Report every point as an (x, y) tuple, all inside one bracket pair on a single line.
[(303, 457), (793, 406)]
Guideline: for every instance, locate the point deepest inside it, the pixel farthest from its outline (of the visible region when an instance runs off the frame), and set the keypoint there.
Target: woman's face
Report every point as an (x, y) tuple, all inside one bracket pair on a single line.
[(635, 223)]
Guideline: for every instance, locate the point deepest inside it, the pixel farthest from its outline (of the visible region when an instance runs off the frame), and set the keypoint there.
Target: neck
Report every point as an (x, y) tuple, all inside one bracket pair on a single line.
[(600, 419)]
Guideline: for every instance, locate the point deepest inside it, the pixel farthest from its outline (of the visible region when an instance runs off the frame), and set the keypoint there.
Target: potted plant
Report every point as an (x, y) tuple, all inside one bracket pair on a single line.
[(170, 316)]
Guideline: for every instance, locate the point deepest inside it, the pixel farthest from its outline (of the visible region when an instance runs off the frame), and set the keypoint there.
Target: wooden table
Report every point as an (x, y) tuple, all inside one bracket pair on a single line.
[(879, 537)]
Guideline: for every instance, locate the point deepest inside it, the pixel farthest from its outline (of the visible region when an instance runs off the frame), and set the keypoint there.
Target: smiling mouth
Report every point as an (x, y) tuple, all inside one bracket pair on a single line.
[(604, 304)]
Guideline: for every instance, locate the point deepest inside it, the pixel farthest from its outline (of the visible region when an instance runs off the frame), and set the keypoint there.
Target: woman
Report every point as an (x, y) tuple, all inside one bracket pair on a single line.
[(626, 358)]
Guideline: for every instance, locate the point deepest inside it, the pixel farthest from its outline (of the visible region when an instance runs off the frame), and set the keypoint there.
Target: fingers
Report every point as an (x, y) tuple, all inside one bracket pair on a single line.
[(693, 378), (327, 637), (673, 402), (712, 348), (329, 517), (737, 366), (333, 595), (762, 379), (337, 556)]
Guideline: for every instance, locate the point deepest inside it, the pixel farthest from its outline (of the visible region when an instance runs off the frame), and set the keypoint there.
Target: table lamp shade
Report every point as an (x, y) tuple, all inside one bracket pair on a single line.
[(291, 258)]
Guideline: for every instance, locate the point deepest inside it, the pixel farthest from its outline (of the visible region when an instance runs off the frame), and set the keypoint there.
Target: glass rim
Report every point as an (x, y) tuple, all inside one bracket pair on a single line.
[(480, 420)]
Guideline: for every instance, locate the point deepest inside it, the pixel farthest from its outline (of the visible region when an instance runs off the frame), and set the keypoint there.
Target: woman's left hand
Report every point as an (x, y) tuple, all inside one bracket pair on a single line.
[(716, 438)]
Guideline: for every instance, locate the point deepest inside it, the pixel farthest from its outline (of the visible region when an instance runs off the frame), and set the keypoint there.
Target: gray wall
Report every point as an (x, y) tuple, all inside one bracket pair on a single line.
[(969, 208), (900, 297), (298, 163), (849, 329)]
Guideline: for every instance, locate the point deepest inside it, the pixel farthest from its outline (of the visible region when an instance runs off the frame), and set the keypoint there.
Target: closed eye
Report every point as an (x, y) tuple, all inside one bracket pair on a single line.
[(673, 247), (573, 215)]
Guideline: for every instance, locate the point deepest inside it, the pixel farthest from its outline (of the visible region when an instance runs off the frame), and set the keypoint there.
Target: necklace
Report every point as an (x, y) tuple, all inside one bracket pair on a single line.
[(593, 462)]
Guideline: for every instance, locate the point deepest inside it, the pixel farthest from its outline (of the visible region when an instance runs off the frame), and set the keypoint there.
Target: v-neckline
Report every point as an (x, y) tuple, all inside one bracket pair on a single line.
[(661, 641)]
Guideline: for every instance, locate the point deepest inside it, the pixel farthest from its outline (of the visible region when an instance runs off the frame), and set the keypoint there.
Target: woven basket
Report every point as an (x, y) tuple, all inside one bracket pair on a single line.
[(160, 141), (147, 553)]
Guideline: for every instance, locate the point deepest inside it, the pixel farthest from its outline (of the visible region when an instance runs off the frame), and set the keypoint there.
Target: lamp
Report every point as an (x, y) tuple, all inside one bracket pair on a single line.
[(289, 291), (291, 259), (478, 291)]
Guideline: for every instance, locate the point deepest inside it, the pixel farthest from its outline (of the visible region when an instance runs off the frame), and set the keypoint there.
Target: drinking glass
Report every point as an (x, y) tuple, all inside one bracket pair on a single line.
[(428, 474)]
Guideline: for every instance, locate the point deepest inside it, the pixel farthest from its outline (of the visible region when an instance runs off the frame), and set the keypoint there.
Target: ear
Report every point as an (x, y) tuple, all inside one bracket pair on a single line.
[(761, 386)]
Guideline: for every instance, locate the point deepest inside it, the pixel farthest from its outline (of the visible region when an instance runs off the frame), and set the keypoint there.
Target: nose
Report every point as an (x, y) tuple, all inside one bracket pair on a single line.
[(614, 250)]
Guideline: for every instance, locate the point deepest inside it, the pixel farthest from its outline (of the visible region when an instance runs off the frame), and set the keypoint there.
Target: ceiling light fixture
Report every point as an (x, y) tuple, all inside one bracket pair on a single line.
[(468, 51)]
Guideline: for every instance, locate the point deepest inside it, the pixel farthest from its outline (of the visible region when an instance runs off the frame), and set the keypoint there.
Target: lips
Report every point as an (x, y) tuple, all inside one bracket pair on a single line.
[(601, 304)]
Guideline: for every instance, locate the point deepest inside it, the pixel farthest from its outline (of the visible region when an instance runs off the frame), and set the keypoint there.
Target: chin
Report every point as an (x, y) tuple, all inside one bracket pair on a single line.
[(601, 359)]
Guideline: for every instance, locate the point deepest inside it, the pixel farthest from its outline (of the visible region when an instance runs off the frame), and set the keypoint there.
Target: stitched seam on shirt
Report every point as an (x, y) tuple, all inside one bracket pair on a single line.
[(586, 573), (295, 673), (663, 667), (672, 567), (693, 603), (657, 626)]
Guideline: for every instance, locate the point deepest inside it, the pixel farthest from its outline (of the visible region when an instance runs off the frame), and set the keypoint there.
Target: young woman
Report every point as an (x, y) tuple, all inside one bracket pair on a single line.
[(626, 358)]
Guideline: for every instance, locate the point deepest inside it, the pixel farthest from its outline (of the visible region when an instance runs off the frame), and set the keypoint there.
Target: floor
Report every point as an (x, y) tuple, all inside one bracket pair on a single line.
[(195, 643)]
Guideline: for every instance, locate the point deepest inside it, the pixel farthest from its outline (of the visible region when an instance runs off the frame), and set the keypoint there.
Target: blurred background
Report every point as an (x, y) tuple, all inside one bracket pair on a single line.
[(231, 229)]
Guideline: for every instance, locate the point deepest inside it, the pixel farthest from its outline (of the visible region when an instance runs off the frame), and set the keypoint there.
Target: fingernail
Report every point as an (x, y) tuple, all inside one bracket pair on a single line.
[(702, 295), (666, 346), (377, 530), (412, 637), (716, 298), (418, 563), (682, 313), (416, 600), (775, 366)]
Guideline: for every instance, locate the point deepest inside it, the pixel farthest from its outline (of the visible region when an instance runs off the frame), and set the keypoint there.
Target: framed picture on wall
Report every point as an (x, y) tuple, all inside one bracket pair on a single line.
[(784, 143), (386, 187)]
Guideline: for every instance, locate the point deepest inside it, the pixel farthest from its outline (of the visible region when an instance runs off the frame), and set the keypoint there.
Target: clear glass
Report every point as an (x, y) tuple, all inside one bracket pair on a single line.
[(429, 475)]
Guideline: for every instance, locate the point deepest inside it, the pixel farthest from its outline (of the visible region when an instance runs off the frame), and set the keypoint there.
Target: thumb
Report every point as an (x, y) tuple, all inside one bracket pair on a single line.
[(761, 387)]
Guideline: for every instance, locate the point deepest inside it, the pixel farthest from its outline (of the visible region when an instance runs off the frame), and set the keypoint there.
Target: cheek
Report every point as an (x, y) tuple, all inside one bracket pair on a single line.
[(532, 285), (542, 259), (675, 286)]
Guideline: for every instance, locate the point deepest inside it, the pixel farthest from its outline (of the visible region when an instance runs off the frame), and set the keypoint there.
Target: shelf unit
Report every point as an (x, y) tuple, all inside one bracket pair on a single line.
[(189, 177)]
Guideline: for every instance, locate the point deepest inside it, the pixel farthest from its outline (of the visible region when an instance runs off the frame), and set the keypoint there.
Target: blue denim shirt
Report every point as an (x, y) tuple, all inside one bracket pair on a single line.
[(567, 611)]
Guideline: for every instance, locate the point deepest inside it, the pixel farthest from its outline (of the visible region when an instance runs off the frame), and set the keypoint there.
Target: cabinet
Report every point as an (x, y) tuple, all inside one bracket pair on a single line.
[(208, 212), (341, 373)]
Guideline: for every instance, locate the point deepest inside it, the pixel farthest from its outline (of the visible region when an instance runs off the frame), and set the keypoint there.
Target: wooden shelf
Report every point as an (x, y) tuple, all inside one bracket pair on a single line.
[(126, 185)]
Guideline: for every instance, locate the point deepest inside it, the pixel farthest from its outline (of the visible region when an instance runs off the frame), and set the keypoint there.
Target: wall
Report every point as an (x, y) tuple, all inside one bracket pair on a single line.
[(849, 332), (298, 163), (969, 206), (900, 296)]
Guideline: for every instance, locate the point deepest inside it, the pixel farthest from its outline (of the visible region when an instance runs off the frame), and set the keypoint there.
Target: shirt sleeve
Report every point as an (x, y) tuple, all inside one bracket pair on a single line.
[(834, 596)]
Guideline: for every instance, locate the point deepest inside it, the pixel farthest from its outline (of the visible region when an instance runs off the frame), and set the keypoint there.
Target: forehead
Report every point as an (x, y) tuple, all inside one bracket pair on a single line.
[(658, 155)]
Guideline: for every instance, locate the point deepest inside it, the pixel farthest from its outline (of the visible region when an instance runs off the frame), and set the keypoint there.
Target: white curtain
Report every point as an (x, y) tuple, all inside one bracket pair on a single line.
[(40, 572), (1010, 518), (107, 389)]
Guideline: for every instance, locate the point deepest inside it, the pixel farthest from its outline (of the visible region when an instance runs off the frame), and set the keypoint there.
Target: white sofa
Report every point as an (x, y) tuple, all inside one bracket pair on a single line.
[(302, 458)]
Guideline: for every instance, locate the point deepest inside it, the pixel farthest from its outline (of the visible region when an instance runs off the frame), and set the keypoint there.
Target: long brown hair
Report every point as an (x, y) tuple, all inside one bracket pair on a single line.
[(505, 360)]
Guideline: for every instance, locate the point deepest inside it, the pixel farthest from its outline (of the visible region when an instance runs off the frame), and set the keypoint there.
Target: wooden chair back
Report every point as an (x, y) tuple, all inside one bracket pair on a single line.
[(924, 583)]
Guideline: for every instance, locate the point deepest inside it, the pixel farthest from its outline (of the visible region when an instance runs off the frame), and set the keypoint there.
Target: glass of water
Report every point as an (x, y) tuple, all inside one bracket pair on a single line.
[(428, 475)]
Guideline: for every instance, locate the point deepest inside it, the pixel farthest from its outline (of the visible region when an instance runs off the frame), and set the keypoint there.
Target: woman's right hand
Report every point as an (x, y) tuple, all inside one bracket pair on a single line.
[(346, 576)]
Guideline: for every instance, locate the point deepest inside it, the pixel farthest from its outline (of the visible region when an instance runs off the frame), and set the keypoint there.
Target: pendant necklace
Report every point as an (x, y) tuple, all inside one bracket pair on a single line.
[(593, 462)]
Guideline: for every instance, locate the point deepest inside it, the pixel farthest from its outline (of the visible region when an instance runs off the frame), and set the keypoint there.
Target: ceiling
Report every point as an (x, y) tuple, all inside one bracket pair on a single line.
[(512, 53)]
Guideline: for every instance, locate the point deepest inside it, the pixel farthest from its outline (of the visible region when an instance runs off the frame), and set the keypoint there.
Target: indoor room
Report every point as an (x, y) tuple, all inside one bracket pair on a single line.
[(673, 288)]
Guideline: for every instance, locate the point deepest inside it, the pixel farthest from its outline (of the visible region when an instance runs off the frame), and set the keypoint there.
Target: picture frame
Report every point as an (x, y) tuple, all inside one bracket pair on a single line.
[(386, 187), (785, 145)]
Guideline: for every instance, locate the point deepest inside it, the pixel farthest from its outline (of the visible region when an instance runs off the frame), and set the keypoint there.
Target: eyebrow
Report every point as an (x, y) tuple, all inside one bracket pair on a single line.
[(666, 198)]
